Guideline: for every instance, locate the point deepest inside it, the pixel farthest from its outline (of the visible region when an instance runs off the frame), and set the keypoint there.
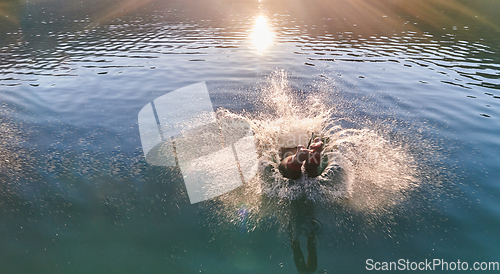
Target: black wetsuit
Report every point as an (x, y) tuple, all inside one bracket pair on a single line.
[(302, 212)]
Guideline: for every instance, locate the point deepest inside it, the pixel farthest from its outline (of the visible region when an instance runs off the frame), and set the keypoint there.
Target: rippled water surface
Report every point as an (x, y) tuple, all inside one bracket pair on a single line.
[(409, 94)]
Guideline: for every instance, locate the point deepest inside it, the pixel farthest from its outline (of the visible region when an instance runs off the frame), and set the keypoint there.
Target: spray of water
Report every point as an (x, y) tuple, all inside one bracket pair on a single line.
[(368, 172)]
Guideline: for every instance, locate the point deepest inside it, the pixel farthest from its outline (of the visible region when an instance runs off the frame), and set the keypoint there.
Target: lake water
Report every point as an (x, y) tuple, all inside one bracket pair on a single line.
[(411, 90)]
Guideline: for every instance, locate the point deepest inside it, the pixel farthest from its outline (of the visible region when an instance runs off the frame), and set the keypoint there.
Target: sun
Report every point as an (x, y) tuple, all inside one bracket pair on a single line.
[(261, 36)]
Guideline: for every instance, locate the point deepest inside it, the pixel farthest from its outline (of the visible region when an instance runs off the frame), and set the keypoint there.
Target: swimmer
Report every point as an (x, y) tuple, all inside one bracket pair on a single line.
[(314, 158), (302, 221), (290, 166), (302, 265)]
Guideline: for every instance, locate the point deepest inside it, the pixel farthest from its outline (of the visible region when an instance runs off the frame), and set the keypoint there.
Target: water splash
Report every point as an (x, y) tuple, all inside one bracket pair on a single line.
[(368, 172)]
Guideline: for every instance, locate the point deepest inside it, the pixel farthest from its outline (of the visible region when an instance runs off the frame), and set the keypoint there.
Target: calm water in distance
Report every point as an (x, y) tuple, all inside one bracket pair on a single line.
[(76, 195)]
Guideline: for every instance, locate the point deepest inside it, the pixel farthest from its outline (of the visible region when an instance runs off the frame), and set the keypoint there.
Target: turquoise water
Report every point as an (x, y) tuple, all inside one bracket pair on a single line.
[(412, 90)]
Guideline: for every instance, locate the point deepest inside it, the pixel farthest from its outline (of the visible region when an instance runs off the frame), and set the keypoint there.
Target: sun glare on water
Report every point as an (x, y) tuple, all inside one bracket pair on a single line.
[(261, 36)]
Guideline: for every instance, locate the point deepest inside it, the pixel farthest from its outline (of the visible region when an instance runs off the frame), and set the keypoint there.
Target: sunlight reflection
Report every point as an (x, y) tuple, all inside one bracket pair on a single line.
[(261, 36)]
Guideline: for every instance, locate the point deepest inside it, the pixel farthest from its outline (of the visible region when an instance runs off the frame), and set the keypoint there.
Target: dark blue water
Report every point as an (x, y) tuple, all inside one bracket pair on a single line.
[(417, 85)]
